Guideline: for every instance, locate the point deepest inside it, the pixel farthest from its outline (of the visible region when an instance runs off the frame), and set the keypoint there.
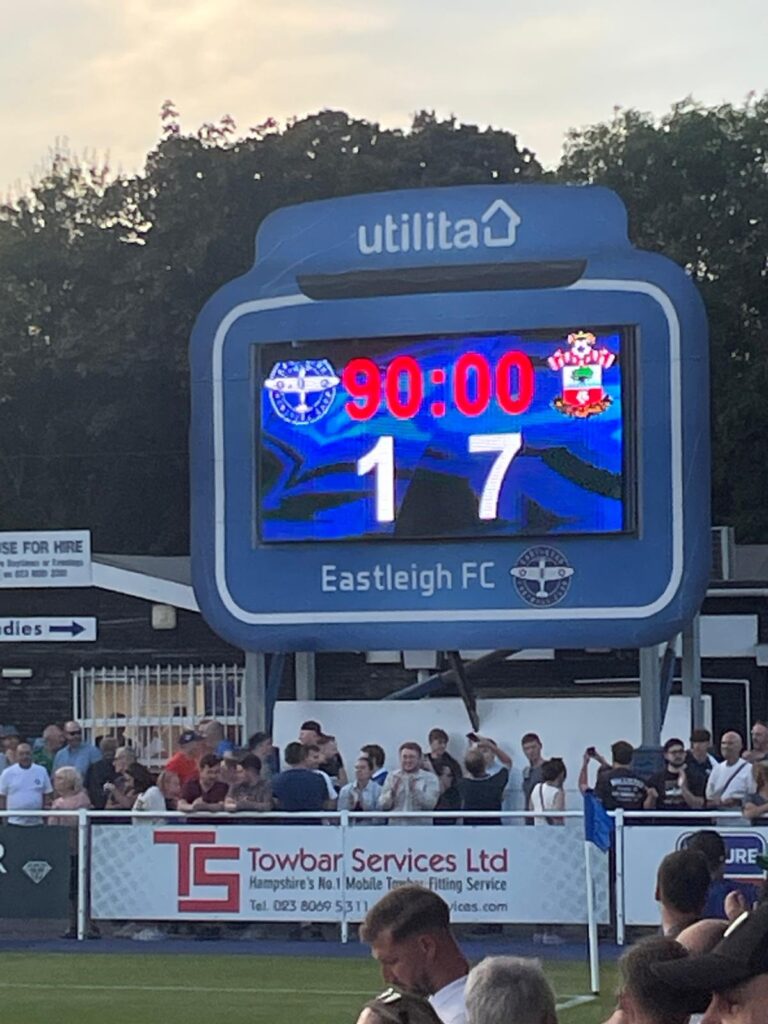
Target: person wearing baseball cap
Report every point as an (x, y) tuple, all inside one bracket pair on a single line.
[(184, 761), (735, 973)]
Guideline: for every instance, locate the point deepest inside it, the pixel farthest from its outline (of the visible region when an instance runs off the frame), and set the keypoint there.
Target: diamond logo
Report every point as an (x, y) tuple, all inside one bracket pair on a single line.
[(36, 870)]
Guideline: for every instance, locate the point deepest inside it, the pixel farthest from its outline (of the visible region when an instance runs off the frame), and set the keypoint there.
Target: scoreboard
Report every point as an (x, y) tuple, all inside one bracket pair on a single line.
[(467, 417)]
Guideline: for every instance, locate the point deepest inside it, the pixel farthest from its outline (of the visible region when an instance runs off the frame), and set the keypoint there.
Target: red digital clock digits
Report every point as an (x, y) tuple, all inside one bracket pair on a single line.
[(473, 385), (362, 379), (404, 402), (520, 362)]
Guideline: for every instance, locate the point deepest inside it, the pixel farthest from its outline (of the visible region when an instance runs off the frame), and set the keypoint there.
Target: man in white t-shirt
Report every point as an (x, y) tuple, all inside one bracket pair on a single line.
[(409, 933), (731, 780), (25, 786)]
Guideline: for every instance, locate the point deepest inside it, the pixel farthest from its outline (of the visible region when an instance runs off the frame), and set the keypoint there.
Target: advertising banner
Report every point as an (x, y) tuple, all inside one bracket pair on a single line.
[(45, 558), (645, 847), (299, 873), (34, 871)]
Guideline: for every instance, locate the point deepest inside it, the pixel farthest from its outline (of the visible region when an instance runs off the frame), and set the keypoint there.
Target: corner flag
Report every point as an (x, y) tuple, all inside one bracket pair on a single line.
[(598, 825)]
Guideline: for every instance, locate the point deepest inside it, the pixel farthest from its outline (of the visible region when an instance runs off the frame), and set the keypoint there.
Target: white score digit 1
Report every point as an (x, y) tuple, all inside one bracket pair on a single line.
[(381, 459)]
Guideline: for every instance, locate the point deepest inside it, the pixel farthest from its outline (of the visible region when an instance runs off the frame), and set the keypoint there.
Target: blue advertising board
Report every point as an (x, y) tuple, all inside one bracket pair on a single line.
[(462, 417)]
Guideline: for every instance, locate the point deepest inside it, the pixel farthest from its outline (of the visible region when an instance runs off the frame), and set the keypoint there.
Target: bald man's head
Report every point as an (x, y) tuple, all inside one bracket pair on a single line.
[(731, 746)]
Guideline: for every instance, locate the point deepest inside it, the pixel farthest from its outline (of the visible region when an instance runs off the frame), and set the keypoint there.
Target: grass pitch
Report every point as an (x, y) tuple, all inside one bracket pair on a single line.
[(91, 988)]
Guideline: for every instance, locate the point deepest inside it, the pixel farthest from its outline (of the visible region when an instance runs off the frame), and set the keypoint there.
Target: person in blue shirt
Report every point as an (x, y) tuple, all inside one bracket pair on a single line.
[(712, 845), (76, 753), (299, 788)]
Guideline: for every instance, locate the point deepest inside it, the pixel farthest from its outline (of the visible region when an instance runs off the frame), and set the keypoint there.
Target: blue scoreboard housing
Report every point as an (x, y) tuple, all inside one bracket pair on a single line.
[(465, 417)]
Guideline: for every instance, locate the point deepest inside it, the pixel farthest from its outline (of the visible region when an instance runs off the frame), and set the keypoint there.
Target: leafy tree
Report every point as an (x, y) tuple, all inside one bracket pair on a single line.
[(101, 281), (696, 186)]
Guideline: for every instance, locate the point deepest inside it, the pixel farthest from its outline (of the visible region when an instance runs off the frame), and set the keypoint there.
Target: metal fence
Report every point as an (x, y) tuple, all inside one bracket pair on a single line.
[(151, 704)]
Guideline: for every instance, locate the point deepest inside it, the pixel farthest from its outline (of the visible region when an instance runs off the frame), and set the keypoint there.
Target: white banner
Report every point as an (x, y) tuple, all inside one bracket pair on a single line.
[(45, 558), (645, 846), (301, 873)]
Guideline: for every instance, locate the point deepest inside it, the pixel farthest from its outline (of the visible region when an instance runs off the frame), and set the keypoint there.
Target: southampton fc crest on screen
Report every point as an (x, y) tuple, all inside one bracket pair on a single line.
[(582, 368)]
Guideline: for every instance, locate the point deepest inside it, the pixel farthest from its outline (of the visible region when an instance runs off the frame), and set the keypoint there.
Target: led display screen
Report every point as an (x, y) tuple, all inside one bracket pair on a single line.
[(445, 437)]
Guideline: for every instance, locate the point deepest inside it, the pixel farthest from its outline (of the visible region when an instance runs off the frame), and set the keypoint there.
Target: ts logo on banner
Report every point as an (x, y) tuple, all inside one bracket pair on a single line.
[(195, 850)]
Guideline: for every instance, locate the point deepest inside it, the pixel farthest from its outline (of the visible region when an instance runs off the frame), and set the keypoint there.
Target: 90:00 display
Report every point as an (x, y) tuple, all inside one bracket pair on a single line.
[(473, 384)]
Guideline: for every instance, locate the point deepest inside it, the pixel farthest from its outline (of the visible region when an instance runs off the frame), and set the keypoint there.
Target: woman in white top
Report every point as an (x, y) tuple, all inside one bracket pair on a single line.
[(548, 794), (147, 796)]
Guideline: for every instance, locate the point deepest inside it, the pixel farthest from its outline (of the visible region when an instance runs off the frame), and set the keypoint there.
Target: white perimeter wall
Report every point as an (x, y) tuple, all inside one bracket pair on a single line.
[(566, 725)]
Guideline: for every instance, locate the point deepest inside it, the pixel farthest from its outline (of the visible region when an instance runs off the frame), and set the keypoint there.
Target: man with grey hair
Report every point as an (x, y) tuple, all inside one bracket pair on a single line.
[(504, 989)]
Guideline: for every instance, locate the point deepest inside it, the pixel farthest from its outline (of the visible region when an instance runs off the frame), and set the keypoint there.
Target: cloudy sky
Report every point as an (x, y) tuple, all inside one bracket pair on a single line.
[(95, 72)]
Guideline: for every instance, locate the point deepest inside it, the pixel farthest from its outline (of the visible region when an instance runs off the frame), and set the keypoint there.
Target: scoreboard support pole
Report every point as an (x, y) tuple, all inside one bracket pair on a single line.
[(255, 695), (692, 670), (304, 668), (650, 697)]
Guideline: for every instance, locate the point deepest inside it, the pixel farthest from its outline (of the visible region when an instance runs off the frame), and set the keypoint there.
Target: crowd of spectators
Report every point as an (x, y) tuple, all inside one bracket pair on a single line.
[(207, 775), (692, 779)]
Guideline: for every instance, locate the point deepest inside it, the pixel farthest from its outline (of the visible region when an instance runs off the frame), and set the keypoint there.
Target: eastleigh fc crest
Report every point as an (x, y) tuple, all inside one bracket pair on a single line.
[(302, 391), (582, 366), (542, 576)]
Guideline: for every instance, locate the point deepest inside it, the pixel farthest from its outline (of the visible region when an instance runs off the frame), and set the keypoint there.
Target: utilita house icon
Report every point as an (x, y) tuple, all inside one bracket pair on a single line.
[(496, 228)]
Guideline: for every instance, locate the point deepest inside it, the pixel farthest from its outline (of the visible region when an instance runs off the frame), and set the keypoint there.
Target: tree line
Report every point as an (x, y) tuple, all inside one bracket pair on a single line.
[(101, 278)]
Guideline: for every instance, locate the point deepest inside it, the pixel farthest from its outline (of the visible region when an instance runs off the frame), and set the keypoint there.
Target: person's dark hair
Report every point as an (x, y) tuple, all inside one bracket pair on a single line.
[(142, 777), (376, 754), (407, 910), (257, 739), (364, 757), (437, 734), (311, 726), (474, 762), (684, 880), (553, 769), (711, 845), (658, 1000), (673, 743), (209, 760), (410, 745), (701, 736), (530, 737), (622, 753), (294, 753), (251, 762)]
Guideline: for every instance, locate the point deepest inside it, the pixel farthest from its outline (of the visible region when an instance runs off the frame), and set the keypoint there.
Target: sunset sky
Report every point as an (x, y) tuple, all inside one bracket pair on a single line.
[(94, 73)]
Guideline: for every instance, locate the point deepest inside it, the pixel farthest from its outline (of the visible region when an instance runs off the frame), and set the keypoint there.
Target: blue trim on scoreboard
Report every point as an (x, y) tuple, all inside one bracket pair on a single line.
[(455, 261)]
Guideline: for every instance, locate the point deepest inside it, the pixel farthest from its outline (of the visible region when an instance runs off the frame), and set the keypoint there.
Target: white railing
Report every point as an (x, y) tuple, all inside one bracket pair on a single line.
[(452, 859)]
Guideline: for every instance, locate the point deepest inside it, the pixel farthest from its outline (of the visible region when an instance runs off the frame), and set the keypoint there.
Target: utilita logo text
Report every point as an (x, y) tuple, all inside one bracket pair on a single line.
[(496, 228)]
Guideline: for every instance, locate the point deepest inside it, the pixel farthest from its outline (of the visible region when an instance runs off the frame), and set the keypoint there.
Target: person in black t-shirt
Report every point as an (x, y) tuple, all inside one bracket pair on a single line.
[(620, 786), (448, 771), (481, 791), (699, 762), (670, 790)]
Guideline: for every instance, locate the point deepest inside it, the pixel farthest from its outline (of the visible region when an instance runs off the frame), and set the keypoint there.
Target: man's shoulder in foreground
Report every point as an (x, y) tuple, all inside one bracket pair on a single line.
[(448, 1002)]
